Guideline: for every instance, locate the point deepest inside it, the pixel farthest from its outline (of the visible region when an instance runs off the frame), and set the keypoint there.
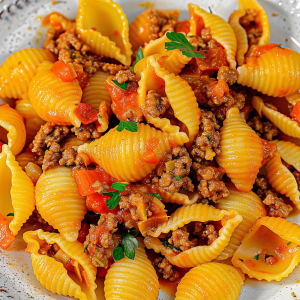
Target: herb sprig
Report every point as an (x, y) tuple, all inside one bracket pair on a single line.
[(139, 56), (158, 196), (129, 126), (11, 214), (115, 195), (123, 85), (165, 242)]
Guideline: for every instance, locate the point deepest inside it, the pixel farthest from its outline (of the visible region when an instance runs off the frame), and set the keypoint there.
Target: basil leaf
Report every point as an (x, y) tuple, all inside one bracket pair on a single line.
[(118, 253), (158, 196), (128, 247), (123, 85), (114, 200), (99, 117), (10, 214), (119, 186), (139, 55), (128, 237), (133, 231), (192, 54), (129, 126)]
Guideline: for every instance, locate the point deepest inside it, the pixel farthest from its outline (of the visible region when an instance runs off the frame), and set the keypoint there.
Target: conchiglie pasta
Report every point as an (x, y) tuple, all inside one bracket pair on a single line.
[(270, 251), (128, 150), (51, 272), (220, 30), (239, 141), (282, 180), (132, 279), (18, 70), (59, 203), (274, 72), (26, 157), (52, 99), (182, 197), (293, 98), (71, 141), (250, 207), (282, 122), (212, 281), (199, 254), (12, 122), (17, 191), (103, 26)]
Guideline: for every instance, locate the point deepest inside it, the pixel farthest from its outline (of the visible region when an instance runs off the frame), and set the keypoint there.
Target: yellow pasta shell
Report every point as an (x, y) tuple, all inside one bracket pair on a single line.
[(52, 274), (156, 46), (125, 149), (17, 191), (71, 141), (280, 238), (242, 152), (13, 122), (200, 254), (284, 123), (19, 68), (293, 98), (220, 30), (250, 207), (52, 99), (24, 158), (59, 203), (212, 281), (182, 198), (130, 279), (274, 72), (282, 180), (103, 26)]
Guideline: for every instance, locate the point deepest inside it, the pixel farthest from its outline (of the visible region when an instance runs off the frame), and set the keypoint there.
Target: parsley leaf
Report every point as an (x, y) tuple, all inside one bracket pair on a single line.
[(256, 257), (177, 178), (118, 253), (119, 186), (99, 117), (158, 196), (165, 242), (288, 243), (114, 200), (130, 126), (139, 56), (209, 138), (10, 214), (123, 85), (279, 46), (128, 243), (179, 41), (85, 248), (133, 231)]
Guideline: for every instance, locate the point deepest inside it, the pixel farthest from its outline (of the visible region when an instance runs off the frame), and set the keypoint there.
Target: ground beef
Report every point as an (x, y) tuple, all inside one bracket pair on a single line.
[(48, 249), (112, 69), (165, 269), (125, 75), (86, 132), (227, 74), (197, 42), (207, 143), (206, 231), (51, 157), (156, 105), (210, 184), (36, 218), (68, 157), (180, 239)]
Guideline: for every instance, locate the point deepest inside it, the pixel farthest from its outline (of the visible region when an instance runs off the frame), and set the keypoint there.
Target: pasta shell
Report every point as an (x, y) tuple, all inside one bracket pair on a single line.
[(212, 281), (239, 141), (282, 122), (59, 203), (17, 191), (280, 239), (156, 46), (282, 180), (103, 26), (52, 274), (18, 70), (71, 141), (126, 149), (274, 72), (130, 279), (250, 207), (24, 158), (220, 30), (182, 198), (12, 121), (289, 152), (200, 254), (293, 98), (52, 99)]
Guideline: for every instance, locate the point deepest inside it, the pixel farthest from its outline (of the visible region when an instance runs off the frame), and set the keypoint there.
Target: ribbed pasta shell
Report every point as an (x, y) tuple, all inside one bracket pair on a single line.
[(13, 122), (17, 191), (59, 203), (282, 180), (200, 254), (293, 98), (242, 151), (19, 68), (24, 158), (52, 274), (156, 46), (284, 123), (220, 30), (71, 140), (182, 198), (103, 26), (277, 241), (213, 281), (52, 99), (132, 279), (289, 152), (274, 72), (125, 150), (250, 207)]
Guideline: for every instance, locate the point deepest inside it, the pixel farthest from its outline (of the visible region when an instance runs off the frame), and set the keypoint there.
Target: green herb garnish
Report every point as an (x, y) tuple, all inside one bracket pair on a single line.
[(179, 41), (99, 117), (165, 242), (114, 200), (129, 126), (119, 186), (177, 178), (10, 214), (85, 248), (279, 46), (288, 243), (139, 56), (256, 257), (133, 231), (123, 85), (118, 253), (209, 138), (127, 247), (99, 261), (158, 196)]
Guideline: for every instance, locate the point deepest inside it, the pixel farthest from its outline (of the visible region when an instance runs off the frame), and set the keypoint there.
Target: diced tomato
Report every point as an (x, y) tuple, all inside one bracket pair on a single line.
[(6, 237), (282, 249), (86, 114), (150, 157), (250, 264), (63, 71), (86, 178), (218, 89), (83, 232), (183, 26), (82, 77), (263, 49), (295, 114), (1, 144)]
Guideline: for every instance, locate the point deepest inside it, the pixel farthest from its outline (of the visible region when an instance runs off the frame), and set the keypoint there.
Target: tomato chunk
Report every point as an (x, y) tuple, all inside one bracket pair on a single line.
[(6, 237), (295, 114), (63, 71), (86, 114), (1, 144), (263, 49), (183, 26)]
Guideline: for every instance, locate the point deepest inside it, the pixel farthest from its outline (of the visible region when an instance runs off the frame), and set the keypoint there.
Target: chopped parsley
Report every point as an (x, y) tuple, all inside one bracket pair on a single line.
[(257, 257), (99, 117), (123, 85), (85, 248), (288, 243), (119, 186), (177, 178), (118, 253), (129, 126), (279, 46), (158, 196), (114, 200), (139, 56), (10, 214), (209, 138), (165, 242)]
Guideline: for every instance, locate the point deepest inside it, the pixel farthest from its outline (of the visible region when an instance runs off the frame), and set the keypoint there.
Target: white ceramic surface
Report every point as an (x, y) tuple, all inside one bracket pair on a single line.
[(20, 27)]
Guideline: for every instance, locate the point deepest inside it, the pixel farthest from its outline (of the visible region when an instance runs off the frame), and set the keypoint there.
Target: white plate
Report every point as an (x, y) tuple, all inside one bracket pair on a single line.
[(20, 27)]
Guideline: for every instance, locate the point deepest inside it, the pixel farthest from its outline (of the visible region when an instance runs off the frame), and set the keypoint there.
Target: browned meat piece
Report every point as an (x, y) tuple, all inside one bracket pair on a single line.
[(51, 157), (197, 42), (227, 74), (112, 69), (276, 206), (125, 75), (68, 157), (165, 269), (48, 249), (156, 105), (180, 239), (86, 132), (210, 233), (206, 35)]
